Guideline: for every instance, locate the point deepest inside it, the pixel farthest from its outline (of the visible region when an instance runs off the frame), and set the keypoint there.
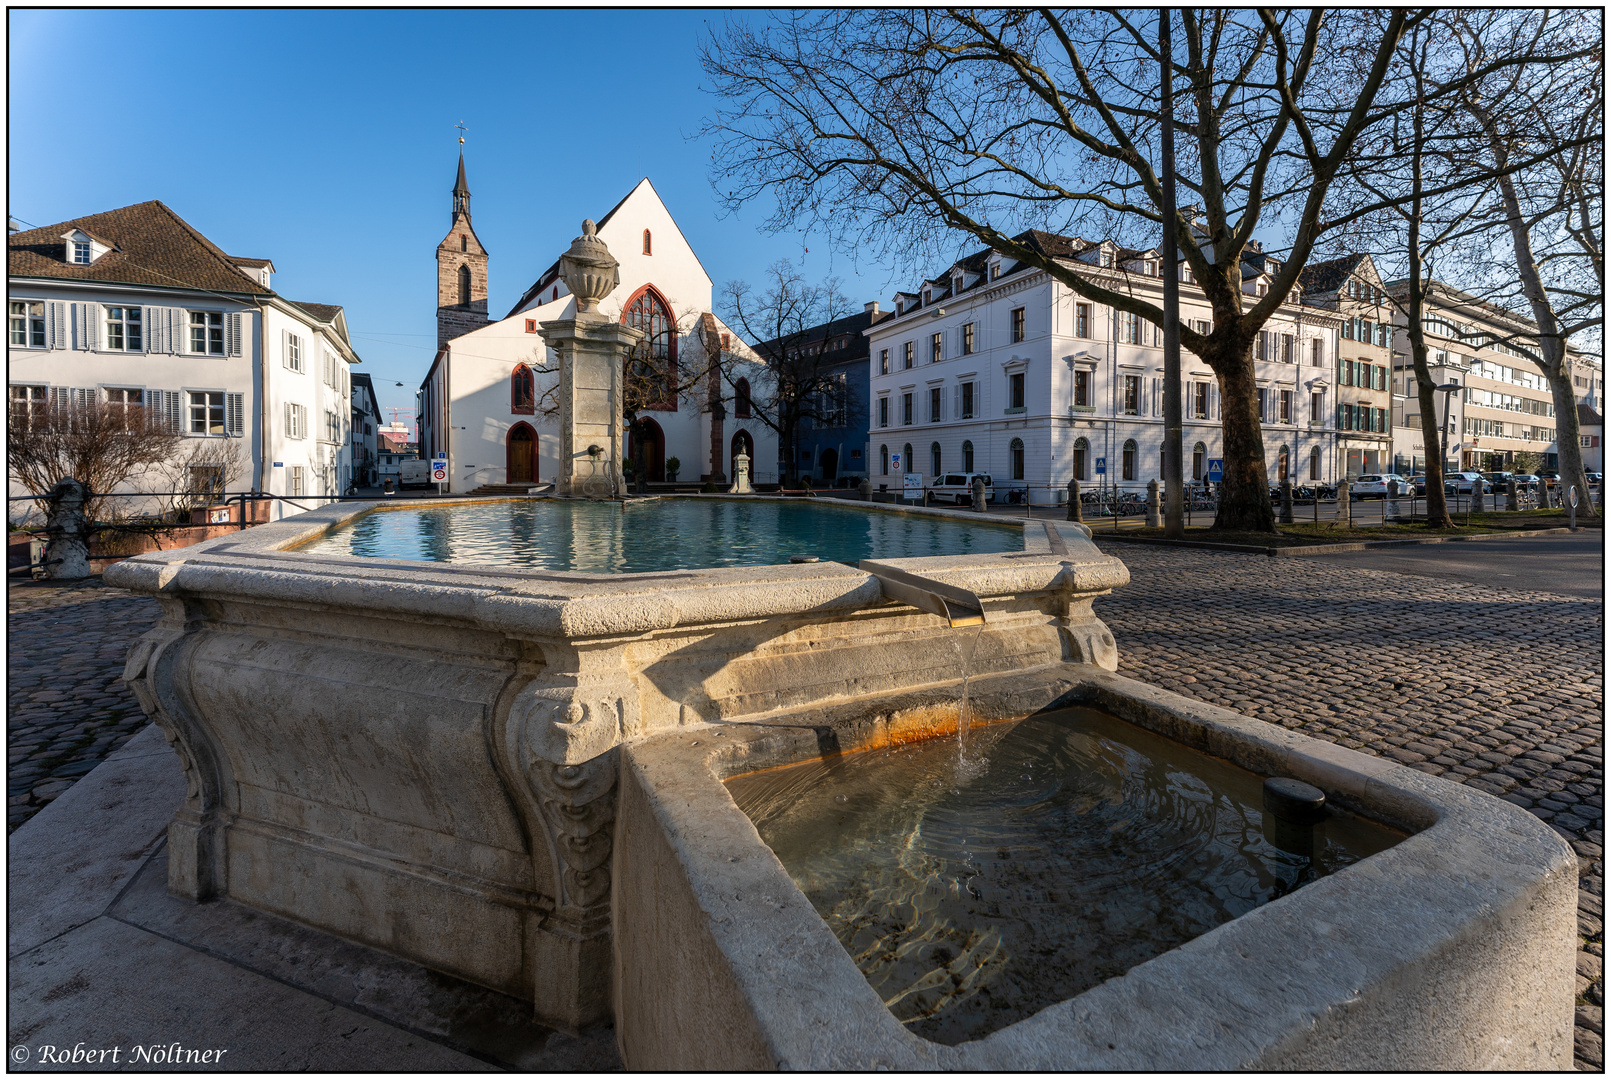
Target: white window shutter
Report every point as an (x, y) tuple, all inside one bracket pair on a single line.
[(176, 410), (232, 333), (173, 331), (80, 334), (235, 411), (153, 329), (289, 420), (92, 326), (60, 397), (57, 324), (84, 397)]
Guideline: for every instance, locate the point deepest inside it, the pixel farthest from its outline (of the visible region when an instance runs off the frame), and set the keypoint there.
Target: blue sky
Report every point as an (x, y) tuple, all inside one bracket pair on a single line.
[(325, 141)]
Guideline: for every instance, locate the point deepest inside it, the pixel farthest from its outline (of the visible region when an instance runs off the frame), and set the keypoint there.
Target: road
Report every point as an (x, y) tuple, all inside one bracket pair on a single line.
[(1567, 564)]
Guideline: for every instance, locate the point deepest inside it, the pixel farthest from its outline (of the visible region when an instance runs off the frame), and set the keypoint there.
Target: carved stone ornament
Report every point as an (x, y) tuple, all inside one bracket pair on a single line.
[(590, 272)]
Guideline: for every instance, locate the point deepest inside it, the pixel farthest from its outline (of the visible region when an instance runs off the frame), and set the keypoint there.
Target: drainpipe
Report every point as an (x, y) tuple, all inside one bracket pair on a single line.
[(262, 475)]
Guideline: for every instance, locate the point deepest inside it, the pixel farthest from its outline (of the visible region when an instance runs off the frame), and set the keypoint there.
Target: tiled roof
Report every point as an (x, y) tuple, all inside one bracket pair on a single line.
[(325, 313), (152, 246), (857, 348), (1587, 417), (255, 264), (1326, 277)]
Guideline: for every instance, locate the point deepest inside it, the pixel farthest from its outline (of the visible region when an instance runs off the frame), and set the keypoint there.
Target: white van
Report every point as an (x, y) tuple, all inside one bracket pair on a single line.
[(958, 488)]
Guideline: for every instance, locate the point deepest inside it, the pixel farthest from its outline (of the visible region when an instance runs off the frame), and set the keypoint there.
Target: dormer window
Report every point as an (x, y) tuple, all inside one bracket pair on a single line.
[(81, 252), (928, 294), (956, 285), (995, 269), (1107, 260)]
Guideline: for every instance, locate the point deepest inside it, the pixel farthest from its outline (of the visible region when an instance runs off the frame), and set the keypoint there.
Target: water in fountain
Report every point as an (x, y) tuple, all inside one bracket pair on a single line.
[(1083, 847), (966, 644)]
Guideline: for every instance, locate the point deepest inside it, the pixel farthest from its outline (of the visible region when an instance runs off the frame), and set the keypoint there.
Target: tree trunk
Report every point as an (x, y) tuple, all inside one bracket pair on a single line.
[(1244, 502), (1437, 505)]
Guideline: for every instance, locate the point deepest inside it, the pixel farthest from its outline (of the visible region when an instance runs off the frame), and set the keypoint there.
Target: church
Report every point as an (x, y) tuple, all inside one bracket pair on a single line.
[(485, 401)]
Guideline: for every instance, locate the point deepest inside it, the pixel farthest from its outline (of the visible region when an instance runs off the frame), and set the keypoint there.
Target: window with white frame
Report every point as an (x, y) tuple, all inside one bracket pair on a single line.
[(967, 339), (207, 333), (332, 427), (124, 331), (965, 410), (28, 404), (81, 252), (293, 352), (28, 324), (294, 484), (936, 396), (1286, 406), (936, 348), (207, 412), (126, 401), (1132, 395), (883, 412), (1082, 320), (296, 421), (883, 361), (1199, 400), (1129, 328)]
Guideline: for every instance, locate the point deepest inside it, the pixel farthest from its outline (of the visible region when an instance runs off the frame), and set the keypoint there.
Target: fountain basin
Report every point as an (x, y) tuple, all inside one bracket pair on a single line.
[(422, 757), (1450, 950)]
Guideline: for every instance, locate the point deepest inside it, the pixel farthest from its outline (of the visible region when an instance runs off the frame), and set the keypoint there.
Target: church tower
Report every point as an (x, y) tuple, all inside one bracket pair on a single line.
[(461, 270)]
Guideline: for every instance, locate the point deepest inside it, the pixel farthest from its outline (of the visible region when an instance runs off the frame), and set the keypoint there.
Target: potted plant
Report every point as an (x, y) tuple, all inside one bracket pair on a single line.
[(672, 465)]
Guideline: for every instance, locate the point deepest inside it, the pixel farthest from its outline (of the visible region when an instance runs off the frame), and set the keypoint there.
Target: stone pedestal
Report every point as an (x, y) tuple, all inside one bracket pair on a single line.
[(1512, 500), (1076, 511), (68, 530), (1154, 509), (1345, 506), (741, 475), (592, 353), (1286, 502)]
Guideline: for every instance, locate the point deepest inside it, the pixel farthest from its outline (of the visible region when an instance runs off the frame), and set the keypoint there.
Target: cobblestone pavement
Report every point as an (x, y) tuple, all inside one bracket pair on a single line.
[(1496, 688), (66, 704)]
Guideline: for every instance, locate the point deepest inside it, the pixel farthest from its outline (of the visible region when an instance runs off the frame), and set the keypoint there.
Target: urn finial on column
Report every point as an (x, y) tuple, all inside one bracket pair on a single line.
[(590, 272)]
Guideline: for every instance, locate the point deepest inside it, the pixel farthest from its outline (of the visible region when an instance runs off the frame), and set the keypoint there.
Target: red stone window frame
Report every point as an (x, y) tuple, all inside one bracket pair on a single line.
[(648, 243), (648, 310), (522, 391), (531, 326)]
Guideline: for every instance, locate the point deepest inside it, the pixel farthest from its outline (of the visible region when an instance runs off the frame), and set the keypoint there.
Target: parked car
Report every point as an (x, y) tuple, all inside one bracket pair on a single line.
[(1462, 483), (1419, 484), (1376, 484), (958, 488), (1498, 480), (1525, 480), (1594, 477), (1551, 478)]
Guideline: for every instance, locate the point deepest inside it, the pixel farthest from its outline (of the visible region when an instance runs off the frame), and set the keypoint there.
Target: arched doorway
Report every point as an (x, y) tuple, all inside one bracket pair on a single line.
[(654, 449), (829, 459), (520, 466), (741, 442)]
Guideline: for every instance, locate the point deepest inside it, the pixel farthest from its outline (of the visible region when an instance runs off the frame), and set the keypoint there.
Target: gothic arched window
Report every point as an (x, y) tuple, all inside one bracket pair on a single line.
[(967, 456), (741, 399), (648, 245), (522, 391), (464, 285), (934, 460), (652, 368)]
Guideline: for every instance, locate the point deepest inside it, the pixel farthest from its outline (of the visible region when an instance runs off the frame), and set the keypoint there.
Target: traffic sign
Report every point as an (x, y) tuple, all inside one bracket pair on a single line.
[(895, 463), (439, 472), (1216, 470), (1101, 465)]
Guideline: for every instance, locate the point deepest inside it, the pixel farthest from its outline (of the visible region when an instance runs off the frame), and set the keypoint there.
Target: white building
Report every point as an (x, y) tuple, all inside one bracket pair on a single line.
[(365, 432), (995, 367), (135, 307), (482, 401)]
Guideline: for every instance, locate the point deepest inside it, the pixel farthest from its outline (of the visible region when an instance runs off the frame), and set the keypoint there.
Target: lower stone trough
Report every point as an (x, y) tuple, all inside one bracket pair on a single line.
[(517, 778)]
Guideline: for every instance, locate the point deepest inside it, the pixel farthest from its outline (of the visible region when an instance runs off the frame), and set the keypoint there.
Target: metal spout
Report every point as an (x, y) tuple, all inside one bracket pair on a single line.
[(958, 607)]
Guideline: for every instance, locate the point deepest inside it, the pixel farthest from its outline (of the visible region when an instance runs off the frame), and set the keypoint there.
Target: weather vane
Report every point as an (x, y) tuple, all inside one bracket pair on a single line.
[(462, 130)]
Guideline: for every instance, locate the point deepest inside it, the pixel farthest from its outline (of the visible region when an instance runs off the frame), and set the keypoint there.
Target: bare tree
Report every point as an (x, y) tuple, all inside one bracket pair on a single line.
[(197, 473), (889, 127), (102, 444), (793, 325), (1552, 213)]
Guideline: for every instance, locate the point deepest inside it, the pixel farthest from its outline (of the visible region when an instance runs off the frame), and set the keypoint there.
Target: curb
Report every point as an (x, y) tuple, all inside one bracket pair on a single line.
[(1321, 549)]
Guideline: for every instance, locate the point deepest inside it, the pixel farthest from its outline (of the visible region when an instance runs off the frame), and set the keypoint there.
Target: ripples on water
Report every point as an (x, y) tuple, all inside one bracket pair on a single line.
[(1060, 851), (667, 534)]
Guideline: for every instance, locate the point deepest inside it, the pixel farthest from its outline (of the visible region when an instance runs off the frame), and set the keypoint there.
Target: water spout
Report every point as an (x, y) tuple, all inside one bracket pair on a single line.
[(958, 607)]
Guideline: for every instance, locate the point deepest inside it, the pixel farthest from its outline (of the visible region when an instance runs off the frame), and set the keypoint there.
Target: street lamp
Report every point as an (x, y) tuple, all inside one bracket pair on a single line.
[(1443, 430)]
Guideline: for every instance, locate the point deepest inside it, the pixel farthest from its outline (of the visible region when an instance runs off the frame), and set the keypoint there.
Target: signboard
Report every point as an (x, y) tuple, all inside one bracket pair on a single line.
[(895, 463), (1101, 466), (438, 472), (279, 464), (1216, 471), (217, 515), (913, 485)]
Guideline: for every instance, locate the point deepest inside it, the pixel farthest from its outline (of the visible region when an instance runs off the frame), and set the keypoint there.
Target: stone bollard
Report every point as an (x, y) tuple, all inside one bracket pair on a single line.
[(1286, 502), (1076, 512), (1512, 500), (865, 490), (978, 494), (1391, 510), (1345, 507), (1544, 500), (68, 530), (1154, 506)]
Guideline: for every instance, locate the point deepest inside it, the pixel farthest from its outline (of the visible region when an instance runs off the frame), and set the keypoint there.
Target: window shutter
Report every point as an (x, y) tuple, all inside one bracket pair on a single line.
[(60, 397), (232, 334), (80, 334), (92, 326), (56, 310), (83, 398), (235, 409), (174, 409), (153, 329), (956, 402), (285, 349), (290, 419)]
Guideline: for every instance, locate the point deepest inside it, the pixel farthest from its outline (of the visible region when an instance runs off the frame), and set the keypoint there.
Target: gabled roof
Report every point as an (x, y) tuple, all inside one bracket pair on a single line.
[(255, 264), (1587, 417), (1327, 277), (551, 275), (151, 245), (330, 314)]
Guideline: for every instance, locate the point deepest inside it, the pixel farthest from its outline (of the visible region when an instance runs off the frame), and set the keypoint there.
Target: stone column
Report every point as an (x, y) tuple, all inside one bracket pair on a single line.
[(1075, 511), (1391, 510), (592, 351), (1345, 507), (1154, 511), (67, 529), (1512, 500), (1286, 502)]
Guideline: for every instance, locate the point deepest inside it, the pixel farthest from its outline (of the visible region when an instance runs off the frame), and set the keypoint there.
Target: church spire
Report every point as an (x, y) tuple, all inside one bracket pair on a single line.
[(461, 190)]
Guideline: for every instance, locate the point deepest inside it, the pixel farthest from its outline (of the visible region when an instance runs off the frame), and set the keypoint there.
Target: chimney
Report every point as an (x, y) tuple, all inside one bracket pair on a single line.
[(871, 308)]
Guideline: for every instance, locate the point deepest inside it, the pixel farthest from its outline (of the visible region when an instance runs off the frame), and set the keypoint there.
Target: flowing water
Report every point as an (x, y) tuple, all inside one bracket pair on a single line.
[(655, 534), (976, 884)]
